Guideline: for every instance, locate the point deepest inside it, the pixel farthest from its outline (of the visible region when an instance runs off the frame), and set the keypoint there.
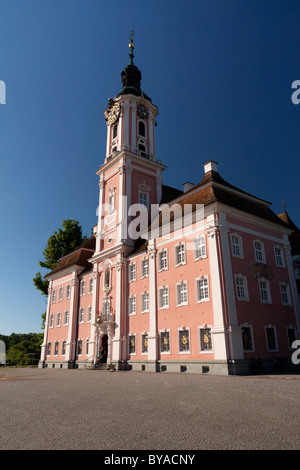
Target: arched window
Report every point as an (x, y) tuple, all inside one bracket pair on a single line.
[(142, 129)]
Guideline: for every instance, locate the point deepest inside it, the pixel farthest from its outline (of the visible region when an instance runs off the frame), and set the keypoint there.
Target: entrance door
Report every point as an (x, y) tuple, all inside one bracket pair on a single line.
[(104, 345)]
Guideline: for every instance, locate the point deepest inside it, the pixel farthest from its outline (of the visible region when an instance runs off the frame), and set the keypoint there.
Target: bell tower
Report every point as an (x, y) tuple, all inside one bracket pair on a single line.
[(131, 173)]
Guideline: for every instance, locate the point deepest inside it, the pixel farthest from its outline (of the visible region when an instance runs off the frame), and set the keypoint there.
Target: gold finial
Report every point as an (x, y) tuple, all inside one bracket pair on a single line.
[(131, 47)]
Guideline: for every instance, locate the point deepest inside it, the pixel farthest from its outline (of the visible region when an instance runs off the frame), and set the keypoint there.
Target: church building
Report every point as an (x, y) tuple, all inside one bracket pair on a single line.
[(199, 280)]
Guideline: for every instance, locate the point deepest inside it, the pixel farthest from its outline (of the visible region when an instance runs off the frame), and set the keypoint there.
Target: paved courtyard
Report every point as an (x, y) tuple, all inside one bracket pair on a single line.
[(88, 409)]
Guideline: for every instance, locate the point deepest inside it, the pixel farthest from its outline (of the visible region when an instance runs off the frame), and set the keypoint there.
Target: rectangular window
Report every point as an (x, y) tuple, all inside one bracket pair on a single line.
[(182, 293), (106, 310), (163, 260), (79, 347), (132, 272), (90, 285), (184, 340), (82, 287), (144, 198), (66, 317), (53, 296), (165, 341), (145, 268), (164, 297), (259, 252), (60, 293), (145, 302), (131, 344), (49, 349), (205, 340), (200, 247), (241, 287), (87, 346), (111, 203), (63, 348), (247, 338), (279, 257), (132, 305), (145, 343), (180, 254), (285, 294), (81, 315), (271, 338), (236, 246), (56, 344), (264, 289), (51, 320), (202, 289), (68, 291), (89, 313), (58, 318)]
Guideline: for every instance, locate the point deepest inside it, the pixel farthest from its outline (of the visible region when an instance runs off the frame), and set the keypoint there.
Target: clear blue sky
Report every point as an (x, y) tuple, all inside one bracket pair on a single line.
[(219, 71)]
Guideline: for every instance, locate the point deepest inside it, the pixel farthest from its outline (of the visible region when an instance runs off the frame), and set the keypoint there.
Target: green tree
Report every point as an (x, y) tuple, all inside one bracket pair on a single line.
[(62, 242)]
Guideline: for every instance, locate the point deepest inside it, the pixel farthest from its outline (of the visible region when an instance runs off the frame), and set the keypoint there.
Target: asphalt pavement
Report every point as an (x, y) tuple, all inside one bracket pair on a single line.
[(58, 409)]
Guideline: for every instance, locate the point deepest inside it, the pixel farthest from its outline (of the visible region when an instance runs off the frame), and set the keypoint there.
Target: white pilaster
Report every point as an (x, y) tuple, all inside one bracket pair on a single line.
[(71, 342), (92, 341), (152, 334), (117, 341), (100, 215), (44, 345), (218, 330), (133, 127)]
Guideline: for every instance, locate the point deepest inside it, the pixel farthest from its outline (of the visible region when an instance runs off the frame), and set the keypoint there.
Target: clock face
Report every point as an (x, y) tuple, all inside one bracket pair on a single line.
[(142, 111), (114, 113)]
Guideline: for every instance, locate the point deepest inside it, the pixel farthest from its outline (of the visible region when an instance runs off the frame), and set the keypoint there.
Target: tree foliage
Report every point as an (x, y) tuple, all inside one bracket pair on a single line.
[(22, 349), (62, 242)]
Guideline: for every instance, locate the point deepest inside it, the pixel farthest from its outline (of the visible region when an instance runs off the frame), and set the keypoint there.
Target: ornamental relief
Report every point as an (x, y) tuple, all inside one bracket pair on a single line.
[(261, 270)]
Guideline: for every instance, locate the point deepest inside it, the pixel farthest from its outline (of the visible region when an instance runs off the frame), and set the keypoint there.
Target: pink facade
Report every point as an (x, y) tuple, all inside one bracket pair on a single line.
[(211, 298)]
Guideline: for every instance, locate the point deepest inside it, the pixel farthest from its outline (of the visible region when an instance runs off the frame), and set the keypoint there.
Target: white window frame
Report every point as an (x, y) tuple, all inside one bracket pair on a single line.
[(60, 294), (51, 320), (53, 296), (187, 329), (234, 246), (181, 246), (91, 285), (131, 303), (144, 262), (287, 293), (160, 300), (267, 282), (145, 128), (81, 315), (144, 305), (275, 334), (79, 340), (132, 272), (58, 319), (164, 252), (166, 330), (145, 334), (63, 347), (68, 291), (82, 287), (89, 311), (201, 328), (262, 251), (246, 325), (178, 294), (200, 251), (132, 335), (237, 278), (281, 257), (56, 348), (198, 287), (66, 316)]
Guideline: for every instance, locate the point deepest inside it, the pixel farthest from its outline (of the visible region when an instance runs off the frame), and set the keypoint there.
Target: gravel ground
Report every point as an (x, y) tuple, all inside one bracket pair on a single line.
[(88, 409)]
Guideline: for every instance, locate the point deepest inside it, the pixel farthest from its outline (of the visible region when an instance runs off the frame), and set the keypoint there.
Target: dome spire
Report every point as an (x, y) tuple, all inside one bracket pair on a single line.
[(131, 47)]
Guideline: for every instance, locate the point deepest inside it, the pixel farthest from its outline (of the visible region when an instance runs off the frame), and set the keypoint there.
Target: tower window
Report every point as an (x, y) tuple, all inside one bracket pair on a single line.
[(142, 129), (142, 149), (115, 131)]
